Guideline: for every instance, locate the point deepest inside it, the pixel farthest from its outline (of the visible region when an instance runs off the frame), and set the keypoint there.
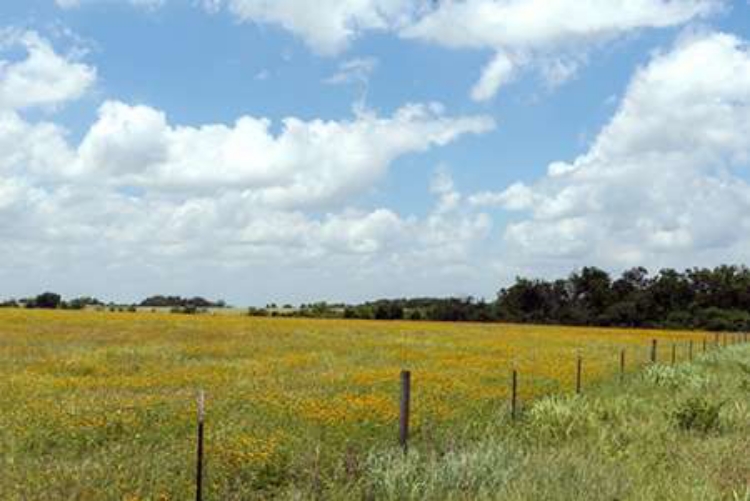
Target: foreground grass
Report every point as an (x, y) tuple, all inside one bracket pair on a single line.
[(101, 406), (667, 434)]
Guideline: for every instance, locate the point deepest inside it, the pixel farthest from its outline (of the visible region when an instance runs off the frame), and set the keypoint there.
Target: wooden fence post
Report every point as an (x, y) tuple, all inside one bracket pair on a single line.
[(579, 367), (704, 344), (403, 436), (674, 353), (514, 395), (622, 365), (199, 459), (690, 350), (653, 351)]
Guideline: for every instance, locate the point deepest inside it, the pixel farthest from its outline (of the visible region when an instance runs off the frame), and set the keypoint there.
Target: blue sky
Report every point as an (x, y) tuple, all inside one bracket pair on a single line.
[(104, 195)]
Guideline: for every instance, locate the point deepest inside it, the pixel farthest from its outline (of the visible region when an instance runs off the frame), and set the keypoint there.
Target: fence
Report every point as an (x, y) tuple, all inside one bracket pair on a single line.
[(405, 403)]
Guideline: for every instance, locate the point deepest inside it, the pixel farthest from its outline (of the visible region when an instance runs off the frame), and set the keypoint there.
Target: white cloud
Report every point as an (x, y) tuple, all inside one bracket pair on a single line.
[(665, 181), (357, 70), (43, 78), (141, 197), (497, 73), (327, 26), (553, 35), (516, 197), (148, 4), (315, 163)]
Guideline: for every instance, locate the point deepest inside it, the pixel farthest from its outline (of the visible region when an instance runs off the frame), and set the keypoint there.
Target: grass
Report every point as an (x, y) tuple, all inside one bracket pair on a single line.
[(101, 406), (620, 442)]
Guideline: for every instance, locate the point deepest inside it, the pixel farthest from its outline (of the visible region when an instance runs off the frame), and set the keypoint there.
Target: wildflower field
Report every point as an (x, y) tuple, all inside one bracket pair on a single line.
[(102, 405)]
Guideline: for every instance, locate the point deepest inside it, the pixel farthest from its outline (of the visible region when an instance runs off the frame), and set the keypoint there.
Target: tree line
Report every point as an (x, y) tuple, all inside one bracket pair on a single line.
[(51, 301), (54, 301), (697, 298)]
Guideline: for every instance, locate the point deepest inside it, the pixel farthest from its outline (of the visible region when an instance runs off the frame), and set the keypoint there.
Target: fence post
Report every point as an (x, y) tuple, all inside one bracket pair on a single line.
[(690, 350), (653, 351), (674, 353), (514, 395), (199, 459), (622, 365), (704, 345), (403, 436), (579, 364)]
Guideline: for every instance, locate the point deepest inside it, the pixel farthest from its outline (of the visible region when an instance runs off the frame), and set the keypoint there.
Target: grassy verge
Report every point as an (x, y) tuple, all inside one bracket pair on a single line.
[(667, 433)]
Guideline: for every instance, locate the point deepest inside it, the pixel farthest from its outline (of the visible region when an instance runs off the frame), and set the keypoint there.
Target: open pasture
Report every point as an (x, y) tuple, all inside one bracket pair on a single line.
[(102, 405)]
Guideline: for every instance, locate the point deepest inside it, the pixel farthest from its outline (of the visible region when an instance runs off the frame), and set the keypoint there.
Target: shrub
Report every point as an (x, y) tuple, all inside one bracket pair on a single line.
[(682, 376), (698, 414), (720, 320), (558, 418)]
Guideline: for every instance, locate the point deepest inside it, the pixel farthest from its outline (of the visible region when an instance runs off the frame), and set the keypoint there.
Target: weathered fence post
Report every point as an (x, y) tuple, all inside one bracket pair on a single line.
[(674, 353), (514, 395), (579, 367), (199, 459), (690, 350), (403, 436), (622, 365), (704, 344), (653, 351)]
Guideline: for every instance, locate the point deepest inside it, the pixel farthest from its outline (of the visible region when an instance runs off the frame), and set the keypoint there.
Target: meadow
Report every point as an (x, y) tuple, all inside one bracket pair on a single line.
[(102, 405)]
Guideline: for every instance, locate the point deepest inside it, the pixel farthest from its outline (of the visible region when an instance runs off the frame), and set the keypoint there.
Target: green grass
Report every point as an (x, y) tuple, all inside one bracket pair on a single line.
[(617, 442)]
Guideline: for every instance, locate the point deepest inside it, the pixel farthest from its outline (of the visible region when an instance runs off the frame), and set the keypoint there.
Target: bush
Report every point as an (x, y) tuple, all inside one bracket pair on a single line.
[(719, 320), (679, 320), (558, 418), (257, 312), (698, 414), (682, 376)]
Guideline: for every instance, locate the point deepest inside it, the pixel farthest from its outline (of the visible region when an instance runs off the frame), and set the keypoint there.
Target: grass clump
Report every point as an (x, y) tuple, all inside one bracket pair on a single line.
[(698, 414)]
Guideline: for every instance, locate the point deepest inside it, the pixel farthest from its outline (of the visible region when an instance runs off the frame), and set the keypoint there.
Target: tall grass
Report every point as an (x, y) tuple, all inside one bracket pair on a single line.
[(617, 442)]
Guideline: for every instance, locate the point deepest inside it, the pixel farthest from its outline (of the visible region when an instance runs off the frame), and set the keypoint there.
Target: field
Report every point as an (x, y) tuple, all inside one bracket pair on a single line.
[(102, 405)]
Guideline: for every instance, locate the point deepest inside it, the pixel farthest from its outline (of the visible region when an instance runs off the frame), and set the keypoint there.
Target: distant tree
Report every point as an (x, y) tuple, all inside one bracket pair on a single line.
[(257, 312), (82, 302), (47, 301)]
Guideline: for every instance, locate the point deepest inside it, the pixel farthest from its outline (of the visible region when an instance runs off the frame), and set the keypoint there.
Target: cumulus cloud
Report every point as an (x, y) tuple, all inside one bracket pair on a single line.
[(552, 35), (315, 163), (139, 192), (43, 78), (327, 26), (664, 183)]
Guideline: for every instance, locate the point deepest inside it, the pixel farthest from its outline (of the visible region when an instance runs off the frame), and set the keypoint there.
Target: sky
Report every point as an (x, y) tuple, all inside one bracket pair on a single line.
[(288, 151)]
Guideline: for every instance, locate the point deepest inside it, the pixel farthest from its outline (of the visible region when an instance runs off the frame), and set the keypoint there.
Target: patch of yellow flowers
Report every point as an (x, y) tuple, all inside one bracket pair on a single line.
[(275, 385)]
